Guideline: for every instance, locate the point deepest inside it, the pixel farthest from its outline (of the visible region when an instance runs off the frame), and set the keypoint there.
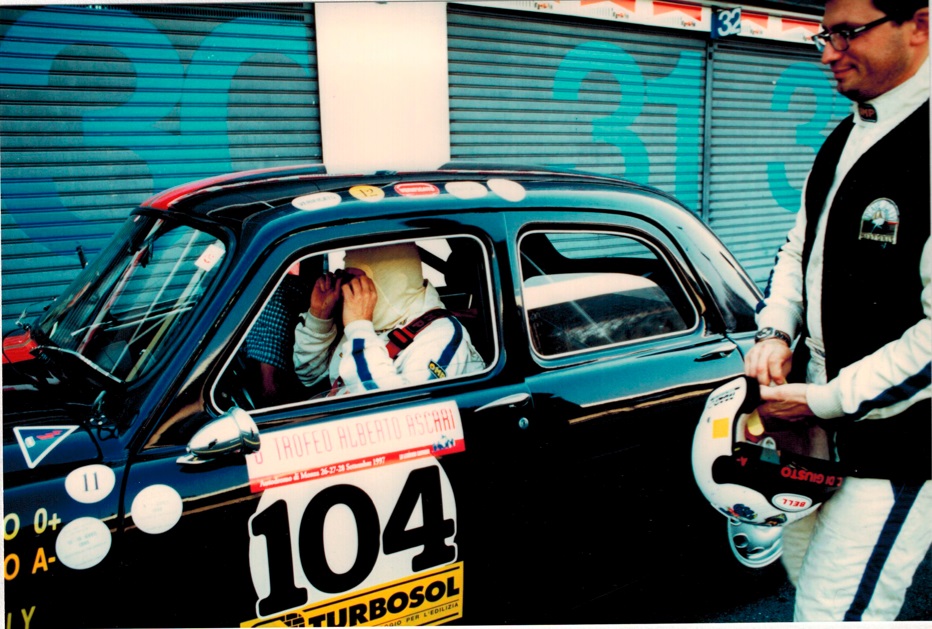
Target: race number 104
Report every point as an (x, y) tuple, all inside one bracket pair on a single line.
[(422, 491)]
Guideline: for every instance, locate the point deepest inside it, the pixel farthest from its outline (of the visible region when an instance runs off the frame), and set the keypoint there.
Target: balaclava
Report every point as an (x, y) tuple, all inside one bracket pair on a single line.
[(403, 292)]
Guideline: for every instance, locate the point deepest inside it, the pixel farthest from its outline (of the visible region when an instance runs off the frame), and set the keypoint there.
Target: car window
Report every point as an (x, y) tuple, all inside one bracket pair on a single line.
[(124, 314), (587, 290), (431, 322)]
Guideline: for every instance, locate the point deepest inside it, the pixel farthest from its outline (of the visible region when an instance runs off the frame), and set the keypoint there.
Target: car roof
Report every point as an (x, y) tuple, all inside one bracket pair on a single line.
[(240, 196)]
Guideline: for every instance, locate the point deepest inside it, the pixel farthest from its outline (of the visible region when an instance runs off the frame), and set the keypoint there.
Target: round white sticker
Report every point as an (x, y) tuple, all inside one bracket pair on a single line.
[(466, 189), (83, 543), (90, 484), (317, 201), (156, 509), (508, 189)]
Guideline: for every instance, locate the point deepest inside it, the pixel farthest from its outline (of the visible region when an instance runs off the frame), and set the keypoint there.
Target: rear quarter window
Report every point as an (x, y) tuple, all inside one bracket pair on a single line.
[(589, 290)]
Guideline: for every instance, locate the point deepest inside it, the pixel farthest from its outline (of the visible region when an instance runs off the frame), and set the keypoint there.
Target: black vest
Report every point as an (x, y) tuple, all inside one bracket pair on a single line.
[(871, 288)]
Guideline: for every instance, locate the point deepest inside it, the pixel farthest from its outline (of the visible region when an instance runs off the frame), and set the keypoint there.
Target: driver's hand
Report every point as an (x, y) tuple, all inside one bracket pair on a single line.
[(359, 298), (325, 295)]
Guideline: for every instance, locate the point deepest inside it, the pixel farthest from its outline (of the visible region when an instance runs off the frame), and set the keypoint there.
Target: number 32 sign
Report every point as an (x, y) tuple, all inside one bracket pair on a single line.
[(316, 541), (726, 23)]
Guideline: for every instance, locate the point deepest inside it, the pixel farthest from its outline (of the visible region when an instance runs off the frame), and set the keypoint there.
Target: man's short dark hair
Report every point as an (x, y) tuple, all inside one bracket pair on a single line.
[(900, 10)]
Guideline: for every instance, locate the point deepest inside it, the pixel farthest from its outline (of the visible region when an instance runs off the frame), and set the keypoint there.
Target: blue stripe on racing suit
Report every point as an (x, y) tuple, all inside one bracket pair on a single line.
[(362, 368), (899, 393), (446, 357), (905, 496)]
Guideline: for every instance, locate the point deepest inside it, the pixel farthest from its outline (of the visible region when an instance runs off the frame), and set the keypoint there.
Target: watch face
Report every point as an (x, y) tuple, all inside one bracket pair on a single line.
[(763, 333)]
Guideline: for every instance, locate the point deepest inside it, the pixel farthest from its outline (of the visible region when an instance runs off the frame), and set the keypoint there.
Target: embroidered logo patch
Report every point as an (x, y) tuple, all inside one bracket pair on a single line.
[(437, 370), (880, 222)]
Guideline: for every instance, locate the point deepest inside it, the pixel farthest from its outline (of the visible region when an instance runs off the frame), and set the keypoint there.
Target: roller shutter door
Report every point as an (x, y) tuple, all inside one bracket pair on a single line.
[(104, 105), (773, 108), (528, 89)]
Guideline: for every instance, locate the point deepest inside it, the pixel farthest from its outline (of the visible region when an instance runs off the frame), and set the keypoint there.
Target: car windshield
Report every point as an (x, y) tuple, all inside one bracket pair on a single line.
[(123, 310)]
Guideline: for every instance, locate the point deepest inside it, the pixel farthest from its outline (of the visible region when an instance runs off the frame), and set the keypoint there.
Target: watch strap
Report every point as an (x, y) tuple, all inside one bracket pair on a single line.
[(773, 333)]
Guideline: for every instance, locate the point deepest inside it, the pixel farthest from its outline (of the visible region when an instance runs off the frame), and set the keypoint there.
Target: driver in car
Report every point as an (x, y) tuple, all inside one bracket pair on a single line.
[(396, 331)]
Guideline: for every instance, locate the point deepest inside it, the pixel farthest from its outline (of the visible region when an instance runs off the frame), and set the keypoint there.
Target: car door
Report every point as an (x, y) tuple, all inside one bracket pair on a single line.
[(625, 347), (388, 506)]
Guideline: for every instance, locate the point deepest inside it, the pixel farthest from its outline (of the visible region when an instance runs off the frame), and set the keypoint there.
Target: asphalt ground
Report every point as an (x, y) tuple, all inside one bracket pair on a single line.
[(709, 588), (776, 606)]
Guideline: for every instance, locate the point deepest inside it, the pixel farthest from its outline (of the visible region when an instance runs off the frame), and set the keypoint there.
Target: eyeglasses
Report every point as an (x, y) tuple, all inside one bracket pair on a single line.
[(839, 39)]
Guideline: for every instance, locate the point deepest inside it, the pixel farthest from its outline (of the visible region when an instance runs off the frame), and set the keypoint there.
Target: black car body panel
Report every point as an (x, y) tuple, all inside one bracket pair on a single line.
[(524, 492)]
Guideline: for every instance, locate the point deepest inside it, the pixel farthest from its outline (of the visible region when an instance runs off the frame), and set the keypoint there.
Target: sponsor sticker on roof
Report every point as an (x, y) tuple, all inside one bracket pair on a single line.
[(317, 201), (420, 189), (508, 189), (367, 193), (466, 189)]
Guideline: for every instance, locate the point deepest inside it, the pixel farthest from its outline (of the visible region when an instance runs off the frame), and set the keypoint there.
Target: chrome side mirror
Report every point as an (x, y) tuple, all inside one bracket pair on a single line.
[(234, 431)]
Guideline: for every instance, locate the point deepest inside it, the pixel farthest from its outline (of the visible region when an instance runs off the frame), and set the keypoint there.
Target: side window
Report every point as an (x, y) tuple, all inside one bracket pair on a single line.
[(586, 290), (412, 312)]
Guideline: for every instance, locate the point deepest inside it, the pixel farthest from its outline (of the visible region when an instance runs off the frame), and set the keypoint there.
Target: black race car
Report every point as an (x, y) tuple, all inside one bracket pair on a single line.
[(159, 473)]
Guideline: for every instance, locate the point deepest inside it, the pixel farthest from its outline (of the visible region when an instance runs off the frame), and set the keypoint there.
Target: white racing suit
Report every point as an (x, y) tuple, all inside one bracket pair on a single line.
[(854, 558), (361, 361)]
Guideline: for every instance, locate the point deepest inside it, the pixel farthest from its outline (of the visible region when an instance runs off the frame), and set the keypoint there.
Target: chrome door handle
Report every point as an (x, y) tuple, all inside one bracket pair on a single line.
[(719, 351)]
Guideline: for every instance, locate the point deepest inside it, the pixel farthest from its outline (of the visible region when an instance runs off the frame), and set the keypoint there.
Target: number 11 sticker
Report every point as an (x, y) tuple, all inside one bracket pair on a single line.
[(91, 483)]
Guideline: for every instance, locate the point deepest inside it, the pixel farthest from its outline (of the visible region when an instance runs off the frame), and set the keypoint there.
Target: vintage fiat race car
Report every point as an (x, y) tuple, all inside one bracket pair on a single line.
[(159, 472)]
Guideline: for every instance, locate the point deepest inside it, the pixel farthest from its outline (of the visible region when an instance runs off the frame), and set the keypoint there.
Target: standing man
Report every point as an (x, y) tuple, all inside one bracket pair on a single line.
[(852, 287)]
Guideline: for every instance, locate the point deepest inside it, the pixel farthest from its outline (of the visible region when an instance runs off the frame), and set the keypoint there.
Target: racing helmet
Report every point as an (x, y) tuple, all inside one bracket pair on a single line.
[(765, 474)]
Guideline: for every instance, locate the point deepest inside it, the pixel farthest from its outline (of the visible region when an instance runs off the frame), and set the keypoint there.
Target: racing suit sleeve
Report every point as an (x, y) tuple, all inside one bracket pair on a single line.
[(313, 339), (782, 307), (440, 350), (896, 376)]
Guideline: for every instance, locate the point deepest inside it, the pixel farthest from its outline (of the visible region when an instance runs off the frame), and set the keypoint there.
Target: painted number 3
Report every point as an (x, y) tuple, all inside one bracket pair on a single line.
[(423, 486)]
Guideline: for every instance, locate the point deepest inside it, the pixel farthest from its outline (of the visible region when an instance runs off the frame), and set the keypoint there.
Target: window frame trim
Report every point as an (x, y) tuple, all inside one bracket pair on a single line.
[(662, 256), (365, 400)]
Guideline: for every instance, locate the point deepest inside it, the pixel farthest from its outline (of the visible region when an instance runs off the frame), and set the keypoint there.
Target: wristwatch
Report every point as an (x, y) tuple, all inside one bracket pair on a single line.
[(772, 333)]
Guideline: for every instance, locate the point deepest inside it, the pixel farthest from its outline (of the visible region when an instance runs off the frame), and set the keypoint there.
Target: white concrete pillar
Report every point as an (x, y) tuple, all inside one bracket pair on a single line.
[(384, 91)]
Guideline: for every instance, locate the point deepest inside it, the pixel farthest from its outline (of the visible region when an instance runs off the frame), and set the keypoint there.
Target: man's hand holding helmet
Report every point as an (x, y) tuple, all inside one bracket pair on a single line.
[(786, 401)]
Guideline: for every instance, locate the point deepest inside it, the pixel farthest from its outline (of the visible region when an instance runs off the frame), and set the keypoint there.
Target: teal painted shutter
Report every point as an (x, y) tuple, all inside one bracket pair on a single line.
[(773, 108), (615, 98), (610, 98), (103, 106)]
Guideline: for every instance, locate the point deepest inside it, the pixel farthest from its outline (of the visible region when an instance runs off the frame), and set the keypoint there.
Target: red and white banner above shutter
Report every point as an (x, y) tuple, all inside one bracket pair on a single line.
[(795, 28)]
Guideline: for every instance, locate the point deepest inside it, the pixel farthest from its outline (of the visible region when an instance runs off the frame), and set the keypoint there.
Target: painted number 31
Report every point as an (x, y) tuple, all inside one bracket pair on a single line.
[(422, 487)]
